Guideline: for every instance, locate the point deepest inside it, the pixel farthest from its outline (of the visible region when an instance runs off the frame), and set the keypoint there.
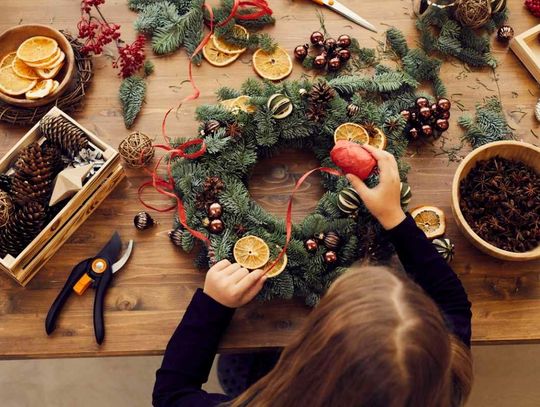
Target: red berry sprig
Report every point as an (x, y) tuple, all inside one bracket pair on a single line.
[(533, 6), (131, 57)]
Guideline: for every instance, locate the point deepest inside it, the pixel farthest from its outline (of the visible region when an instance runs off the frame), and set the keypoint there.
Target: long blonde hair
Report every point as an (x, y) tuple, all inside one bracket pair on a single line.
[(375, 340)]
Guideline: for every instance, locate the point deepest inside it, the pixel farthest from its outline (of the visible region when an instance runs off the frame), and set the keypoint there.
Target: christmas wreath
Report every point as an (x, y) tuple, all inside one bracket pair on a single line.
[(262, 119)]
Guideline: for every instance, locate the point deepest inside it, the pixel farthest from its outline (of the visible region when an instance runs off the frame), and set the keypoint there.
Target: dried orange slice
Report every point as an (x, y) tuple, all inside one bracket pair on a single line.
[(431, 220), (8, 59), (217, 57), (56, 84), (278, 268), (223, 46), (351, 132), (37, 49), (49, 73), (12, 84), (376, 137), (56, 59), (251, 252), (42, 89), (23, 70), (274, 65), (241, 103)]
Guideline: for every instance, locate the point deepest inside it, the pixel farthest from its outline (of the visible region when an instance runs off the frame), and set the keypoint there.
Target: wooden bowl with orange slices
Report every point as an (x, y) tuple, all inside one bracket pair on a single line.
[(37, 65)]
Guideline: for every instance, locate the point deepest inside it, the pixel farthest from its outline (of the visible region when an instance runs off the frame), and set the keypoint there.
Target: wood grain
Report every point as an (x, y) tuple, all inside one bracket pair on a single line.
[(148, 297)]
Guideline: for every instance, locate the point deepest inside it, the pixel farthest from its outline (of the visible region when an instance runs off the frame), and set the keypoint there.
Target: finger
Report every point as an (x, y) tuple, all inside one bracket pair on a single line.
[(238, 275), (221, 265), (255, 289), (358, 185), (233, 268), (377, 153), (247, 282)]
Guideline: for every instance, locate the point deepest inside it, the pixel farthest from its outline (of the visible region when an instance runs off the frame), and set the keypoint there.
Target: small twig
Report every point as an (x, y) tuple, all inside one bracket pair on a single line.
[(534, 134)]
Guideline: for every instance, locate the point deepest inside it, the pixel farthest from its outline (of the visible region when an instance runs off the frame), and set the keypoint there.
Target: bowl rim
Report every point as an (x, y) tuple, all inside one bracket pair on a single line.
[(62, 87), (458, 214)]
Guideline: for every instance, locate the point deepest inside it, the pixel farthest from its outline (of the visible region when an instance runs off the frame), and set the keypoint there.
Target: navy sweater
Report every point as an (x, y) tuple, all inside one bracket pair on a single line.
[(193, 346)]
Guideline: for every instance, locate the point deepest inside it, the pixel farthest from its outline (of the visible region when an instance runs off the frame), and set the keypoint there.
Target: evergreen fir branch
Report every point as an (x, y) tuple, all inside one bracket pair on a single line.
[(155, 16), (397, 41), (148, 68), (131, 93), (225, 93)]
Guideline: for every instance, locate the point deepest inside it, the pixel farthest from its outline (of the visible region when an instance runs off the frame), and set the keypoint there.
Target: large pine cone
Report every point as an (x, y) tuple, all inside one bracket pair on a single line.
[(321, 93), (34, 175), (63, 134), (23, 226)]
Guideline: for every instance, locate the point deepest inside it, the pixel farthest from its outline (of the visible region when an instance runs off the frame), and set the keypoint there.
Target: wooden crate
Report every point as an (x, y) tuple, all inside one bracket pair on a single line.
[(527, 48), (73, 214)]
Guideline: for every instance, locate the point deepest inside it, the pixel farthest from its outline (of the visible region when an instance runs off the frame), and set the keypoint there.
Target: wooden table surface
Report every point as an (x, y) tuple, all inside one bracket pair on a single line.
[(149, 296)]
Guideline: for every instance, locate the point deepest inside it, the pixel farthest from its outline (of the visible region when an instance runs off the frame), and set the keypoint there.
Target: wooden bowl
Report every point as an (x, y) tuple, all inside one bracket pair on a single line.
[(513, 150), (10, 41)]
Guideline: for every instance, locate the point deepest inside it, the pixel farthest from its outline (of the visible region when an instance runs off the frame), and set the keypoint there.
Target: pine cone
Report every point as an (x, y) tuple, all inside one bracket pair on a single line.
[(321, 93), (35, 170), (63, 134), (23, 226), (5, 183), (316, 113)]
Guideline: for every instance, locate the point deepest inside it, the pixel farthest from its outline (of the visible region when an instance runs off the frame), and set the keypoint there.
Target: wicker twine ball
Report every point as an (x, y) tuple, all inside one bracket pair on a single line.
[(6, 208), (473, 13), (137, 150)]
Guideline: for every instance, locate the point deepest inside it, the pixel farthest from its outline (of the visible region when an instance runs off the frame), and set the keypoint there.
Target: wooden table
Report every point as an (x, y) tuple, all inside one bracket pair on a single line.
[(149, 296)]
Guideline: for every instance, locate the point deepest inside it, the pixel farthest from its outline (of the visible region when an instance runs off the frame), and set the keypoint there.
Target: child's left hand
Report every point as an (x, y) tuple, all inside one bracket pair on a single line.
[(231, 285)]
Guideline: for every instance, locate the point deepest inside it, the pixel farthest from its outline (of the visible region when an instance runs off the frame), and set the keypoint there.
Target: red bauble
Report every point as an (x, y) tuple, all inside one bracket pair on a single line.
[(216, 226), (427, 130), (330, 44), (444, 104), (442, 124), (406, 114), (330, 257), (425, 113), (422, 102), (301, 51), (215, 210), (353, 159), (334, 64), (344, 54), (317, 38), (311, 245), (344, 41), (320, 61), (444, 115)]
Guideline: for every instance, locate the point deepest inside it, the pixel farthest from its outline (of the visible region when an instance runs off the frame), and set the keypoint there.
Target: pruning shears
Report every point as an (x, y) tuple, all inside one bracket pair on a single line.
[(346, 12)]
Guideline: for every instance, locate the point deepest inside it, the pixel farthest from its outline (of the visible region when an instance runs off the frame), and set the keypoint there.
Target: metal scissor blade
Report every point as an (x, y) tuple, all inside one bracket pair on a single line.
[(351, 15), (125, 257)]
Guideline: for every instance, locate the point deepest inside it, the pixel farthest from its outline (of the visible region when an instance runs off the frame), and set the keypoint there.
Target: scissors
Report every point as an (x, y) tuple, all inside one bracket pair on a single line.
[(346, 12), (98, 272)]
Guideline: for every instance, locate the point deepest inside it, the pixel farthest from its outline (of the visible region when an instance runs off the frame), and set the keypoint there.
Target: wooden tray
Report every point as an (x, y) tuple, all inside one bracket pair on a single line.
[(78, 209), (527, 48)]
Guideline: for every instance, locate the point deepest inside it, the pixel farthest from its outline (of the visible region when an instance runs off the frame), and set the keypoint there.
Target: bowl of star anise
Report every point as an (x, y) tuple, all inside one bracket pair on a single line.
[(496, 200)]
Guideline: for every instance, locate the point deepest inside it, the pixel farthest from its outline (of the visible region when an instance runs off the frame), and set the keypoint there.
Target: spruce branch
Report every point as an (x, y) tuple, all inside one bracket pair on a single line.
[(131, 93)]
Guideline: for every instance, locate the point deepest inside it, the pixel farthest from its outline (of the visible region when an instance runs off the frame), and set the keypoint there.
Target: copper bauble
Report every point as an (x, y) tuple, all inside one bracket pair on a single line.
[(344, 41), (505, 34), (330, 44), (301, 51), (215, 210), (330, 257), (216, 226), (332, 240), (143, 221), (444, 115), (334, 64), (317, 38), (344, 54), (406, 114), (422, 102), (311, 245), (442, 124), (320, 61), (413, 133), (425, 113), (444, 104), (427, 130)]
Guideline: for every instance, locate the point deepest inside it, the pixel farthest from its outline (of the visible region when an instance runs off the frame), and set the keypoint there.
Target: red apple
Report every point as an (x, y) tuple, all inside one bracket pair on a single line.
[(353, 159)]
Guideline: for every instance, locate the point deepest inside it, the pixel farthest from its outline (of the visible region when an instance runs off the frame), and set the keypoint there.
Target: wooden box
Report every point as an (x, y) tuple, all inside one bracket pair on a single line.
[(527, 48), (73, 214)]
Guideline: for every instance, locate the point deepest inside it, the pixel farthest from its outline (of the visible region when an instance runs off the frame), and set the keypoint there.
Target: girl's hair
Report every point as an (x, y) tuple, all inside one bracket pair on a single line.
[(375, 340)]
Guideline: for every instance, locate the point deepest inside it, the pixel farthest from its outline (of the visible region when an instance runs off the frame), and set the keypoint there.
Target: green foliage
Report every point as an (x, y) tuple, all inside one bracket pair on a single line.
[(441, 33), (148, 68), (131, 93), (173, 24), (487, 126)]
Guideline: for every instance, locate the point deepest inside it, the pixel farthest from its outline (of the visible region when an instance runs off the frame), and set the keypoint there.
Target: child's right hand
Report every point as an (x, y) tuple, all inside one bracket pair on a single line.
[(383, 201), (232, 285)]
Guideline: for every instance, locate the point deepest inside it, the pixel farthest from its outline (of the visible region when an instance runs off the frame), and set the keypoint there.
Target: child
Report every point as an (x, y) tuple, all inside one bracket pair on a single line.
[(376, 339)]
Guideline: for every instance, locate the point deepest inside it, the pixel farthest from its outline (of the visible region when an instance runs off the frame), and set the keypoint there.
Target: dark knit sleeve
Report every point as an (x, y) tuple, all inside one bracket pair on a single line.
[(427, 267), (190, 353)]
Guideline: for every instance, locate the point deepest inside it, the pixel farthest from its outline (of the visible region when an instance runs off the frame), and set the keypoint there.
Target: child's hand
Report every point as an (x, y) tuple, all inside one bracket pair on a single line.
[(383, 201), (231, 285)]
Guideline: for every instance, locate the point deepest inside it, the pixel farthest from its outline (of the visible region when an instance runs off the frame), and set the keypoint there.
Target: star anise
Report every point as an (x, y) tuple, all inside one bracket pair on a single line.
[(233, 130)]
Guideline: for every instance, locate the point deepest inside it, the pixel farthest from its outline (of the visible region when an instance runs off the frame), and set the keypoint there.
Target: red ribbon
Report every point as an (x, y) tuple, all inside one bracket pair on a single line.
[(288, 217)]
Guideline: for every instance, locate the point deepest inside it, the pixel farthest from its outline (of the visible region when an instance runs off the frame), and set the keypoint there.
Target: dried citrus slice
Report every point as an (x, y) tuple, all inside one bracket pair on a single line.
[(42, 89), (23, 70), (251, 252), (8, 59), (431, 220), (278, 268), (56, 59), (36, 49), (274, 65), (56, 84), (49, 73), (241, 103), (228, 48), (217, 57), (12, 84), (351, 132), (376, 137)]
